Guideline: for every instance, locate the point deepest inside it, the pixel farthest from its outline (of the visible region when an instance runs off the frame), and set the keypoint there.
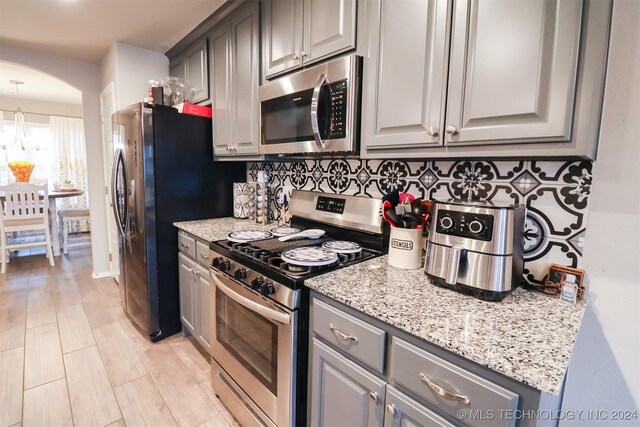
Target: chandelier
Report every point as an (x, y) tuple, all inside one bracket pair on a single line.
[(20, 138)]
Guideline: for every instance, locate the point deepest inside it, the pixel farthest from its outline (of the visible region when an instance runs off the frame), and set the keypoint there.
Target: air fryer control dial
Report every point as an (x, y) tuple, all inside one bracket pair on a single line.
[(466, 225), (446, 222), (476, 226)]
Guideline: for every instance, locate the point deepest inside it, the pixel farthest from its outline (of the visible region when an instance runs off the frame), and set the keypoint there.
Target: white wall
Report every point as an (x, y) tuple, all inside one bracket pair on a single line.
[(604, 371), (85, 77), (131, 68)]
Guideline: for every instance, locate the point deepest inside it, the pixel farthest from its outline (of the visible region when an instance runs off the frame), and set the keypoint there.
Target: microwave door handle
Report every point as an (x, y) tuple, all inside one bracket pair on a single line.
[(267, 312), (314, 111)]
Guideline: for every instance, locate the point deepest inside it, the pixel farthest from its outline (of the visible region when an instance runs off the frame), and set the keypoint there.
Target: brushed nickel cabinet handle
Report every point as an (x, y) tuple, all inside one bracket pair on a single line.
[(295, 57), (373, 397), (441, 391), (432, 131), (203, 256), (391, 409), (341, 335), (452, 130), (184, 246), (304, 54)]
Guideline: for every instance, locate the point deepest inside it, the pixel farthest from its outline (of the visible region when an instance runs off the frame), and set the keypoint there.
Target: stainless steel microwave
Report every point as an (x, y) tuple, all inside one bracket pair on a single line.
[(312, 111)]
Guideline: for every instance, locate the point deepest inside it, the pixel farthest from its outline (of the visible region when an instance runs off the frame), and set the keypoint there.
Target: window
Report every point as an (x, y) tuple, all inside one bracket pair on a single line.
[(38, 134)]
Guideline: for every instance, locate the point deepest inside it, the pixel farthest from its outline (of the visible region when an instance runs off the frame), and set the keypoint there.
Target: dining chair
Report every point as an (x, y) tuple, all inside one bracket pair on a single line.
[(24, 210), (67, 216)]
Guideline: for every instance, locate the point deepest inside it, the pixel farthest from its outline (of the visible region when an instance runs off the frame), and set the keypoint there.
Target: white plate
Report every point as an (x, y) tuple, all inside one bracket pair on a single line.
[(309, 256), (342, 246), (284, 231), (248, 236)]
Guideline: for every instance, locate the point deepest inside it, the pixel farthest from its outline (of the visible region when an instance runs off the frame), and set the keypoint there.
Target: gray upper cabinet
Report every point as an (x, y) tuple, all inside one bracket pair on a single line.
[(282, 36), (192, 65), (342, 393), (301, 32), (234, 83), (483, 78), (512, 74), (404, 77)]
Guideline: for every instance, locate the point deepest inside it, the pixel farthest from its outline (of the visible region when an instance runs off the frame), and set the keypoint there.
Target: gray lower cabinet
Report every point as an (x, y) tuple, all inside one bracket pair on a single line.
[(234, 83), (192, 64), (194, 289), (343, 393), (441, 79), (414, 384), (300, 32), (403, 411)]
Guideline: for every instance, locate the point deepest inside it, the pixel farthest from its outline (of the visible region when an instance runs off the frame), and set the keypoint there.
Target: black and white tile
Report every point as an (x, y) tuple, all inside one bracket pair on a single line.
[(556, 193)]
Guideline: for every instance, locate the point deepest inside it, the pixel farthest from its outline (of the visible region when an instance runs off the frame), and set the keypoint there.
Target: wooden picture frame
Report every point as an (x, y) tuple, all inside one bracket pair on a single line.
[(556, 275)]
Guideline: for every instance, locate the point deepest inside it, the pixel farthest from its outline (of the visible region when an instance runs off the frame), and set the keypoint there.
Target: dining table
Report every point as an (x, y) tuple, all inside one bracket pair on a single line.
[(53, 214)]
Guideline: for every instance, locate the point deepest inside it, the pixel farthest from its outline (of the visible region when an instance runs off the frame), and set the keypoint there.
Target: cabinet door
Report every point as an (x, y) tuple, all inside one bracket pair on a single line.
[(198, 71), (329, 28), (245, 80), (405, 74), (203, 329), (513, 69), (220, 39), (282, 36), (402, 411), (178, 68), (342, 393), (187, 282)]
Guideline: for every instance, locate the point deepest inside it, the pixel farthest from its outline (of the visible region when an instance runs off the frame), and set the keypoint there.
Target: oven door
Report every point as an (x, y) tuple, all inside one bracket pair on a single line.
[(253, 341)]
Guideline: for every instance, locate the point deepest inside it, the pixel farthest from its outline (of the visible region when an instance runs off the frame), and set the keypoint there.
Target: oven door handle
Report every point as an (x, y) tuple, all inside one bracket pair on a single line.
[(267, 312), (315, 127)]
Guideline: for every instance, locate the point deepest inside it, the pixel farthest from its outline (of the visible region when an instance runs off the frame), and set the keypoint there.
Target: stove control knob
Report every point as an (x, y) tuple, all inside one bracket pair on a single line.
[(217, 262), (446, 222), (225, 265), (240, 274), (476, 226), (257, 283), (267, 289)]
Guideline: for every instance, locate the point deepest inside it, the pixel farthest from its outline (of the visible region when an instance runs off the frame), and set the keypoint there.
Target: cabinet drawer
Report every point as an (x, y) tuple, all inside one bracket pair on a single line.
[(415, 368), (351, 335), (187, 245), (202, 254), (404, 411)]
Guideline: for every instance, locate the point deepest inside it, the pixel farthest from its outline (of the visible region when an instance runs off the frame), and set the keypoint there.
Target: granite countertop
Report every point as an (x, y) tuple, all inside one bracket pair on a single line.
[(218, 228), (528, 336)]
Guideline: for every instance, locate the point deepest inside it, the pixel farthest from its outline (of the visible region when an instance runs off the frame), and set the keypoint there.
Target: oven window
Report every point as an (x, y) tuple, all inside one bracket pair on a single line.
[(250, 338), (287, 118)]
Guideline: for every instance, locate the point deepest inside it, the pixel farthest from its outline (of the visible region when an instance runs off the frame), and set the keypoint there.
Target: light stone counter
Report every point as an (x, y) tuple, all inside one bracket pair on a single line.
[(218, 228), (528, 336)]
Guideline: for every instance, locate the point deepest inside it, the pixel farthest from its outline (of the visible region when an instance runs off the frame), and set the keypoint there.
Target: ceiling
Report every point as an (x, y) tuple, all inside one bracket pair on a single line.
[(37, 85), (85, 29)]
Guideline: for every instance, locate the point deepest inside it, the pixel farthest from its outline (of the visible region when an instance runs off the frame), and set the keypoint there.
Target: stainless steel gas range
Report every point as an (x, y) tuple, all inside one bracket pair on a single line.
[(259, 323)]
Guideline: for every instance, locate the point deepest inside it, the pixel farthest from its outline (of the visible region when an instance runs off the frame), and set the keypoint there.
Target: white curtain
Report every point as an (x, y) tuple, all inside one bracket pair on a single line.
[(70, 162)]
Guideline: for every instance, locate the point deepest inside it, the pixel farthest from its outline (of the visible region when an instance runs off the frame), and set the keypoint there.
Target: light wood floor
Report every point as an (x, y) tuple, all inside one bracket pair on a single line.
[(70, 356)]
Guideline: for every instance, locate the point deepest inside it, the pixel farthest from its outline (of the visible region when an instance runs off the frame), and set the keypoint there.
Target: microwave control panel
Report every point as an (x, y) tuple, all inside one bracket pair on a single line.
[(338, 109), (460, 224)]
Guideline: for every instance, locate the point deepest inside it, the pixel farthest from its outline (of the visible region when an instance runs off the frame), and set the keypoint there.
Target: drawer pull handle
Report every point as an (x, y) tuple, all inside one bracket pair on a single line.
[(203, 256), (184, 246), (441, 391), (341, 335)]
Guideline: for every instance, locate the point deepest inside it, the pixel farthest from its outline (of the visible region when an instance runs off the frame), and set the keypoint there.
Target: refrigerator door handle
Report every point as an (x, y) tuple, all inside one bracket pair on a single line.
[(118, 162)]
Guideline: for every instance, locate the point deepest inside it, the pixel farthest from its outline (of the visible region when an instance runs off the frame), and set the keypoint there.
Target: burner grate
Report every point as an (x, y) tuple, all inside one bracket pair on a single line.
[(275, 245)]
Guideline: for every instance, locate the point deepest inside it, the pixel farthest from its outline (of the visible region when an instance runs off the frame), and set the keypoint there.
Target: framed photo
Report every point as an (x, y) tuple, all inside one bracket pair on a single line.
[(557, 274)]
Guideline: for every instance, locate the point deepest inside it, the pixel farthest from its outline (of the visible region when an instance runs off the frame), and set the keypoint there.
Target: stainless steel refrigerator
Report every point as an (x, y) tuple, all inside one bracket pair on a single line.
[(163, 172)]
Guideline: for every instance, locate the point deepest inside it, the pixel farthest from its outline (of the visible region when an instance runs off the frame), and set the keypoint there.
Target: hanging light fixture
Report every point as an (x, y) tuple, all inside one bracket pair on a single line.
[(20, 138)]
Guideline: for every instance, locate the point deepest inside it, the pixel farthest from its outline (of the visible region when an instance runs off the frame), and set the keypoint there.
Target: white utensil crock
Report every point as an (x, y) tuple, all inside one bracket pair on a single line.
[(405, 248)]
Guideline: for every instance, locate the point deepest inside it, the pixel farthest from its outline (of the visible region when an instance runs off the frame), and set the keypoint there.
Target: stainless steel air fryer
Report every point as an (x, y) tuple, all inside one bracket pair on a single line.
[(476, 247)]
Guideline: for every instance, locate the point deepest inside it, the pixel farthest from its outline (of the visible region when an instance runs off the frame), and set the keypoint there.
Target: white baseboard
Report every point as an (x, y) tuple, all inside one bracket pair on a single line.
[(100, 275)]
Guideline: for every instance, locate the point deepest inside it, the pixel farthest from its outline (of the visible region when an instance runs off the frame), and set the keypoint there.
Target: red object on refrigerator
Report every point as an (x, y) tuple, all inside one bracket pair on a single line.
[(193, 109)]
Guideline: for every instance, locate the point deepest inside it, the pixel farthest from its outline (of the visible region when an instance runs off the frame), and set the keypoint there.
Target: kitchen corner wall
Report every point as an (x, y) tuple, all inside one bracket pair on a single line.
[(555, 193)]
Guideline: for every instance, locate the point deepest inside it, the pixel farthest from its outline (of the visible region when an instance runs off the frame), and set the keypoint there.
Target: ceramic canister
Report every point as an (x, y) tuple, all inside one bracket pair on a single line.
[(405, 248)]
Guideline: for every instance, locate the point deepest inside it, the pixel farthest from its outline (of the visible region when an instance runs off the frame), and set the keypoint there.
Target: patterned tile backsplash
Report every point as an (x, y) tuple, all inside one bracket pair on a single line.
[(556, 193)]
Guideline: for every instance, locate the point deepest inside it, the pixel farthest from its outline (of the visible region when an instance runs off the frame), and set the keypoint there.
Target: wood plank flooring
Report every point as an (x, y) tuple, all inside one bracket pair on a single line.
[(69, 356)]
